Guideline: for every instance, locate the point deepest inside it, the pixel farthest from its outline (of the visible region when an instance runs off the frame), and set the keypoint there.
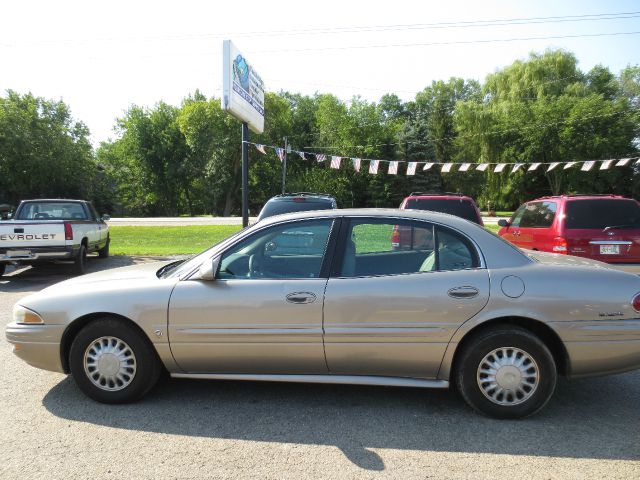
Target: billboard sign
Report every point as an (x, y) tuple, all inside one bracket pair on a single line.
[(242, 88)]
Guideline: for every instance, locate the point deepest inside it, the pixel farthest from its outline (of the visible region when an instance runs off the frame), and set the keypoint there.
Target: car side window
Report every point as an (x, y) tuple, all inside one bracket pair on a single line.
[(517, 216), (538, 215), (291, 250), (454, 252)]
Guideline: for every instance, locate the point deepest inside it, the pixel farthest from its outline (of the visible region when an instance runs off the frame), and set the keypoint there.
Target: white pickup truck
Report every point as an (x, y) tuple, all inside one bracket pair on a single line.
[(47, 230)]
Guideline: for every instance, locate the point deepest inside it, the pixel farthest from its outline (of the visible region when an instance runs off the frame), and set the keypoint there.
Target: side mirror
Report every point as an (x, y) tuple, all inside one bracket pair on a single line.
[(106, 217), (208, 270), (503, 223)]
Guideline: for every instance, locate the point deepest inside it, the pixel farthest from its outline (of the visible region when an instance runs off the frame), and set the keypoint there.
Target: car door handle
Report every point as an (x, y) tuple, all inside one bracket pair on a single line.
[(301, 297), (463, 292)]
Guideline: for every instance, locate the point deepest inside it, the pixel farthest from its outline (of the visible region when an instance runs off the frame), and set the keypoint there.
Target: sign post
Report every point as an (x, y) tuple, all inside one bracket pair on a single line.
[(242, 97)]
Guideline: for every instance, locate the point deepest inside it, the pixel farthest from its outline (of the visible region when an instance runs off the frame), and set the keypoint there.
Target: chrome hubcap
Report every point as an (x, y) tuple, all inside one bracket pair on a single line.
[(508, 376), (109, 363)]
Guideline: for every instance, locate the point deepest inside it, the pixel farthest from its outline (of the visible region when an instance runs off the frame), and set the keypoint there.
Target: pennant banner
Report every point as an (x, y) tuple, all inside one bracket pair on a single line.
[(411, 168), (606, 164), (534, 166), (499, 167), (335, 162), (261, 149), (569, 165), (320, 157), (552, 166), (280, 153), (446, 167), (356, 164), (393, 168), (464, 167), (373, 167), (301, 155), (588, 165), (623, 162), (517, 167), (482, 167), (427, 166)]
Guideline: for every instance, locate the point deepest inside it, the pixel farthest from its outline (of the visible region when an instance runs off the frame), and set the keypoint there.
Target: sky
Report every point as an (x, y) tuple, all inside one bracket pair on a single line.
[(100, 57)]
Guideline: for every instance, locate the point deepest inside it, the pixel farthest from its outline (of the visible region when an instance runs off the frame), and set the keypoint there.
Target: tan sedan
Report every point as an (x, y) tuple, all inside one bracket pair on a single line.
[(330, 297)]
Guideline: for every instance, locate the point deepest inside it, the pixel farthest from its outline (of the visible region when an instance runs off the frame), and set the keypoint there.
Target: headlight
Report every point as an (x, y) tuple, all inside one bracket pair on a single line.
[(24, 315)]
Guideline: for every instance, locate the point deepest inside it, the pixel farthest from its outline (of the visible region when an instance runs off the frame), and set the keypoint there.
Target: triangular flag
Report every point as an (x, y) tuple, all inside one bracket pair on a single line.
[(446, 167), (499, 167), (393, 168), (427, 166), (534, 166), (516, 167), (301, 155), (261, 149), (335, 161), (569, 165), (622, 162), (411, 168), (552, 166), (482, 167), (320, 157), (356, 164), (464, 167), (280, 153), (373, 166), (588, 165), (606, 164)]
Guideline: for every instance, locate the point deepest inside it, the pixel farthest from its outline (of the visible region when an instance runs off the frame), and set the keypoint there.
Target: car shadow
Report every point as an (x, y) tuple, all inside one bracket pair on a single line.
[(596, 418), (29, 278)]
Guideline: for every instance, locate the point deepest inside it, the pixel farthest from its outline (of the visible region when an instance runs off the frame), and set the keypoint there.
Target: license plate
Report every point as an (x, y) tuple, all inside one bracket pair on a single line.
[(18, 253), (609, 249)]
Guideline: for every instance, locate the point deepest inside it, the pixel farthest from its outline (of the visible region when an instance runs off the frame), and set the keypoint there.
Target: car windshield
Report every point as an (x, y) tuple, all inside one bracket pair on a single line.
[(51, 211), (279, 207), (459, 208), (598, 214)]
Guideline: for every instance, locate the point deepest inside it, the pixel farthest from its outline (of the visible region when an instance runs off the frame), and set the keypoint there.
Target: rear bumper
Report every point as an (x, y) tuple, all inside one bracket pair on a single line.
[(38, 345), (600, 347), (35, 254)]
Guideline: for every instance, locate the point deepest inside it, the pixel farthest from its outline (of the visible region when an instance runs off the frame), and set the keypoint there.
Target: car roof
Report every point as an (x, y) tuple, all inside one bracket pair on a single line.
[(582, 197), (438, 196), (289, 196), (54, 200)]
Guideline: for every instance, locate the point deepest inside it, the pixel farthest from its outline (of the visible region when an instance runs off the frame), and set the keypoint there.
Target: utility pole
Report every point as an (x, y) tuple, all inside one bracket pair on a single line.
[(245, 174), (284, 166)]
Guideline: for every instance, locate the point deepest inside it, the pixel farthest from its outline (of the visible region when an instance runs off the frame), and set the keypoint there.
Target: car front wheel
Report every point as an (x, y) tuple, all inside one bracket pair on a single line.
[(112, 362), (506, 372)]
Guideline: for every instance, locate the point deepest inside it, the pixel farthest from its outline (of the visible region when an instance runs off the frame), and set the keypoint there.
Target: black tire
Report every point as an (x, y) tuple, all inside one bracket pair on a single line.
[(3, 267), (104, 251), (80, 262), (144, 370), (518, 343)]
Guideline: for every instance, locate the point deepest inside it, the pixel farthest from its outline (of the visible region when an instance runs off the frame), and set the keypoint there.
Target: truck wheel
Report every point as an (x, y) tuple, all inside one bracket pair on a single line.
[(3, 267), (112, 362), (79, 264), (506, 372), (104, 251)]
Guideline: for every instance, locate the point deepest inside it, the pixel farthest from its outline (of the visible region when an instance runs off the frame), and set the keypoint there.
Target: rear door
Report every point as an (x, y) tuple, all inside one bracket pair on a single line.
[(535, 226), (393, 311), (512, 232), (605, 229)]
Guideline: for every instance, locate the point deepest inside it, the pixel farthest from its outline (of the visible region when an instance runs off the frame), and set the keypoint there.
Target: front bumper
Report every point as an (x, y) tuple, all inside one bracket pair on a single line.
[(38, 345), (600, 347)]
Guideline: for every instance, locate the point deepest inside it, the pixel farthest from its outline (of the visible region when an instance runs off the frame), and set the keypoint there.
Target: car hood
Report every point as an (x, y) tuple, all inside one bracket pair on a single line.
[(561, 259), (132, 272)]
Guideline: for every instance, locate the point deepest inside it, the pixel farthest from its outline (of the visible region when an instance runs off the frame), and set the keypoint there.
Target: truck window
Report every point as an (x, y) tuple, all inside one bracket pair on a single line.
[(51, 211)]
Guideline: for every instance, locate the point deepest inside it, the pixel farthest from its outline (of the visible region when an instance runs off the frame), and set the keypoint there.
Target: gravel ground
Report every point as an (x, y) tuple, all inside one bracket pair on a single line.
[(201, 430)]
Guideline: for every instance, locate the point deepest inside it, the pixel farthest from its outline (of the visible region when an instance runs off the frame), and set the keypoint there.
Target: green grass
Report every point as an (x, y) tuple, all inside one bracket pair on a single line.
[(493, 228), (167, 240)]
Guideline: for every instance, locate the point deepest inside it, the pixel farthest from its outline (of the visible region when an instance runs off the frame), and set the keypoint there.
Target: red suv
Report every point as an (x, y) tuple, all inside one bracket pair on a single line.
[(452, 203), (601, 227)]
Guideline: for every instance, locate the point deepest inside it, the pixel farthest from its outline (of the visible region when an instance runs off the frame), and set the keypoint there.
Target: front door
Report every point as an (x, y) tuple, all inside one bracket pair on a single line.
[(391, 310), (263, 312)]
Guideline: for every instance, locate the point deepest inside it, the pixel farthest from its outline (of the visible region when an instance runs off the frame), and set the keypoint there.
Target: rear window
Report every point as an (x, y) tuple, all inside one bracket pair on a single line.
[(51, 211), (289, 206), (459, 208), (602, 213)]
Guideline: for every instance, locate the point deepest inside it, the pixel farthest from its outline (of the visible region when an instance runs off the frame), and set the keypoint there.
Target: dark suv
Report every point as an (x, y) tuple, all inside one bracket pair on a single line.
[(452, 203), (297, 202), (601, 227)]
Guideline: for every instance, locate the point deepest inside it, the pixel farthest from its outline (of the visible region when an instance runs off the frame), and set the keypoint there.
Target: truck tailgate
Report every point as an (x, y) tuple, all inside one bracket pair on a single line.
[(25, 235)]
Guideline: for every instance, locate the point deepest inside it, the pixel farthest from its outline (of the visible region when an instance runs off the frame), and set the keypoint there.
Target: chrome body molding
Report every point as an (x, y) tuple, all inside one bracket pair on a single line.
[(335, 379)]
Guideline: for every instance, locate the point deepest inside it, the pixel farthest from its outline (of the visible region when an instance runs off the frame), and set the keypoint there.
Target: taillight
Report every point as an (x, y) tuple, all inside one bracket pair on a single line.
[(636, 303), (68, 231), (559, 245), (298, 199), (395, 237)]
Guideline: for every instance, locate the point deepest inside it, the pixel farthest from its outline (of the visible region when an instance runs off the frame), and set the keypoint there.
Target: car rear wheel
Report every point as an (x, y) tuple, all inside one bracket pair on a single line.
[(80, 262), (104, 251), (506, 372), (112, 362)]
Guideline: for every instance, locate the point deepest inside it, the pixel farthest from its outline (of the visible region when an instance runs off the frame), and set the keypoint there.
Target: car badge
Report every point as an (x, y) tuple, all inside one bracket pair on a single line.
[(611, 234)]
